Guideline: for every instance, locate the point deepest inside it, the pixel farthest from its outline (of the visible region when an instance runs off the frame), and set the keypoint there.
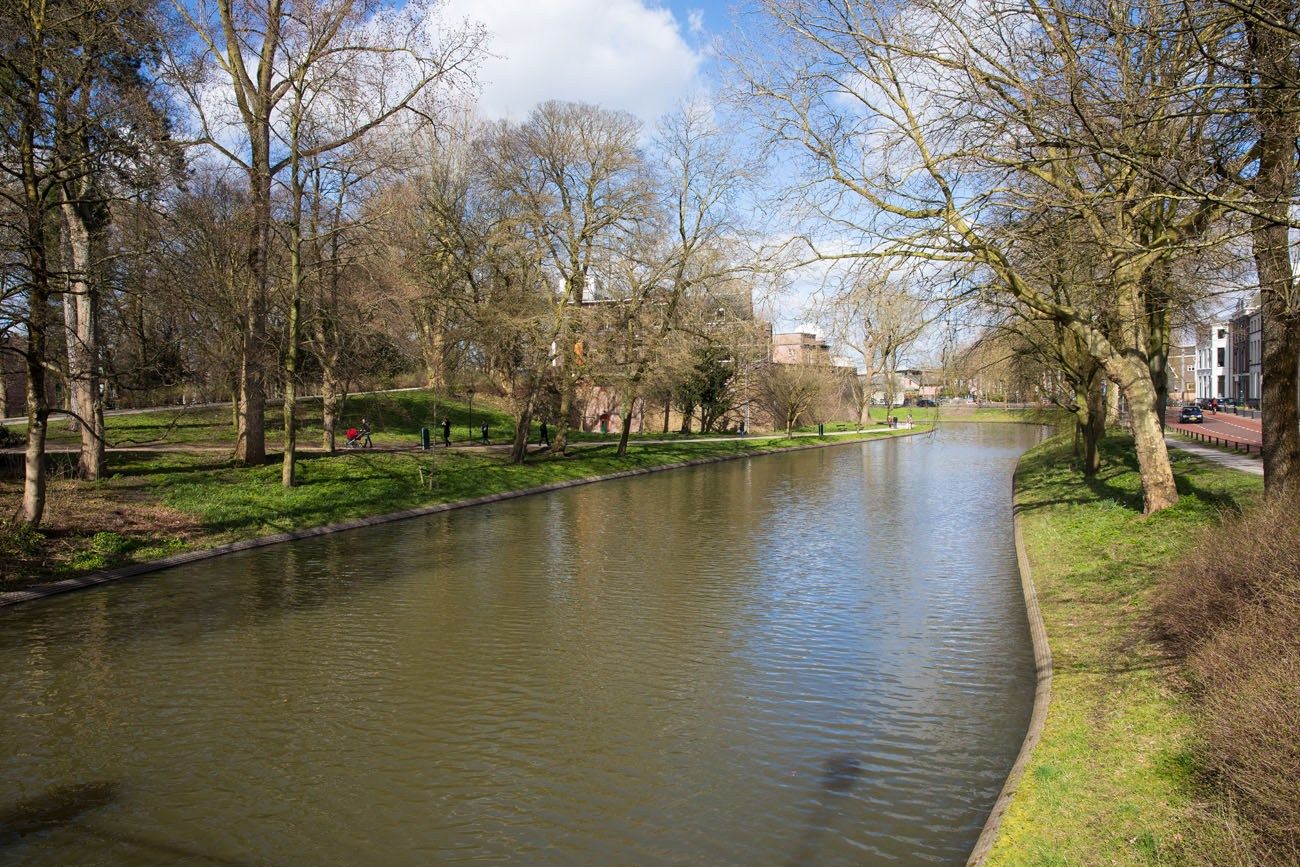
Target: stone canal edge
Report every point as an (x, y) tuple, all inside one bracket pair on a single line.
[(107, 576), (1042, 697)]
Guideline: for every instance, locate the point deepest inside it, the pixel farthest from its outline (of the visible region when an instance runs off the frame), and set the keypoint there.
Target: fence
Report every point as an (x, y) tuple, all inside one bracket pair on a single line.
[(1237, 445)]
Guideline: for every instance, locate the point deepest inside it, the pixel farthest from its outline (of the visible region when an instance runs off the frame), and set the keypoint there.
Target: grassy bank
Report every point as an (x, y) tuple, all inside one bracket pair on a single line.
[(1113, 780), (164, 502)]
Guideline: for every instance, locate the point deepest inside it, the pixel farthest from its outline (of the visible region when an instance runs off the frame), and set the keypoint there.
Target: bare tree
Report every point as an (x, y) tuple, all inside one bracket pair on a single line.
[(575, 185), (927, 130), (248, 55), (788, 392), (879, 320)]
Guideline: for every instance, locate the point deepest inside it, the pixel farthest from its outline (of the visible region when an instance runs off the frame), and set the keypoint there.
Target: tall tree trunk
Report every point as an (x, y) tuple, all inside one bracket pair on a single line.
[(38, 300), (83, 346), (70, 342), (1134, 377), (561, 441), (293, 327), (433, 347), (629, 401), (1094, 426), (1277, 120), (250, 444), (519, 449), (329, 401), (1159, 328), (289, 467)]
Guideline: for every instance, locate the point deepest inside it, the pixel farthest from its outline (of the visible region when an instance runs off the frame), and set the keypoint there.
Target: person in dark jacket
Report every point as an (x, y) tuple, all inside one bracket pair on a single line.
[(483, 428), (545, 438), (446, 431)]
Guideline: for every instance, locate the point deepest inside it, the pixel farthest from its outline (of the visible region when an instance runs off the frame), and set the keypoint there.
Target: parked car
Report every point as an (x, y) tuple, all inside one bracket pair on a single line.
[(1191, 415), (925, 401)]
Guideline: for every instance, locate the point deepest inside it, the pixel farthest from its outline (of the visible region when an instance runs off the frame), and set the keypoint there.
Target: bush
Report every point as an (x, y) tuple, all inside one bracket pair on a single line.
[(1233, 611), (19, 544)]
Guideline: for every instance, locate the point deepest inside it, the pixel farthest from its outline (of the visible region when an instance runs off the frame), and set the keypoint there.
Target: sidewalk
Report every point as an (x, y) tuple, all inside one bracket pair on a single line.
[(1245, 463)]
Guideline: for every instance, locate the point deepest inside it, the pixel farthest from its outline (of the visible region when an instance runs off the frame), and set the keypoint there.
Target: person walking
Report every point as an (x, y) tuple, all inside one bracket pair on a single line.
[(446, 431), (545, 438), (484, 429), (363, 433)]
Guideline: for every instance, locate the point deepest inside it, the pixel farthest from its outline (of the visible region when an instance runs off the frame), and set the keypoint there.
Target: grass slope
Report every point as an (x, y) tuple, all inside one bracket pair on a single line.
[(1113, 780)]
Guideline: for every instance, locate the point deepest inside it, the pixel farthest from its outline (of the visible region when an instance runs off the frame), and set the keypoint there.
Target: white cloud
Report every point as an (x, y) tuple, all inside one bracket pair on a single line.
[(618, 53), (695, 20)]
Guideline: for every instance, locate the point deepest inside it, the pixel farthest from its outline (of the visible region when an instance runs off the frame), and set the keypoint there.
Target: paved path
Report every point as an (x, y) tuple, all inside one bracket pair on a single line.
[(1236, 461)]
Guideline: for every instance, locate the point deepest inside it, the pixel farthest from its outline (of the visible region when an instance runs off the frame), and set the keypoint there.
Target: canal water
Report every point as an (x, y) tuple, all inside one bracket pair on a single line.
[(817, 657)]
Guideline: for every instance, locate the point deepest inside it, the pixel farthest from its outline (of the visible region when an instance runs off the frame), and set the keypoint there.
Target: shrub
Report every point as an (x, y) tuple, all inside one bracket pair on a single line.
[(19, 544), (1233, 611)]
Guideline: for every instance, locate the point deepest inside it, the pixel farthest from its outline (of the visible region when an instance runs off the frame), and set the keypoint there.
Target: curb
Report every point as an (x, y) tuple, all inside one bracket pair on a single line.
[(94, 579), (1042, 697)]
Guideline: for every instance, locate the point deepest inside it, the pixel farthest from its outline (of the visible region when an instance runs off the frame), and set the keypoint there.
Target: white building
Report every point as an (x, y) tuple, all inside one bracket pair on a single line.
[(1213, 361)]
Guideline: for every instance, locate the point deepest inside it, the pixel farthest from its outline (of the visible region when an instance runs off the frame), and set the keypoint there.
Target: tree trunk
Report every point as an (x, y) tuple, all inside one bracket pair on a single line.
[(561, 441), (38, 299), (1277, 119), (688, 414), (83, 346), (329, 402), (628, 404), (70, 340), (1158, 488), (288, 470), (519, 449), (668, 408), (1094, 427), (250, 444), (1159, 335), (1112, 402), (1280, 422)]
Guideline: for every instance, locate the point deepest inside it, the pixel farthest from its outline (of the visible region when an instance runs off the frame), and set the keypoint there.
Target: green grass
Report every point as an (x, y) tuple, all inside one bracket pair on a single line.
[(1112, 781), (395, 418), (198, 499)]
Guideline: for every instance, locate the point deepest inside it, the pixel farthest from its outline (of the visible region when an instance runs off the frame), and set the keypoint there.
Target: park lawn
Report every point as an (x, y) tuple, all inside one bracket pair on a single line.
[(1113, 779), (159, 503)]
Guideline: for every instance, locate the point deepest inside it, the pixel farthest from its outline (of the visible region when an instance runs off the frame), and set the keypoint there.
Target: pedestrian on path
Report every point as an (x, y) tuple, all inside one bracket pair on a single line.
[(484, 429), (364, 435), (446, 431), (545, 438)]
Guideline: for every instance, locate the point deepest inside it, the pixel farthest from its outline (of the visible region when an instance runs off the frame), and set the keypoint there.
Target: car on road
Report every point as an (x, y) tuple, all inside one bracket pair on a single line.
[(925, 401), (1191, 415)]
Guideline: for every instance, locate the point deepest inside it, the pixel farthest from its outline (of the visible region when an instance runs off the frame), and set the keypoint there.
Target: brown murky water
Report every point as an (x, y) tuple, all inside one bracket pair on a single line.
[(810, 658)]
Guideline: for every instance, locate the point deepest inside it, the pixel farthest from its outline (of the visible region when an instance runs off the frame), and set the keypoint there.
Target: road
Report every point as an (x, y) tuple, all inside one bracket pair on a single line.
[(1232, 429)]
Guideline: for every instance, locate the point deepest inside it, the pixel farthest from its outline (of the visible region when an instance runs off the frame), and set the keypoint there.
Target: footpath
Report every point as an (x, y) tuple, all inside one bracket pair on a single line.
[(1244, 463)]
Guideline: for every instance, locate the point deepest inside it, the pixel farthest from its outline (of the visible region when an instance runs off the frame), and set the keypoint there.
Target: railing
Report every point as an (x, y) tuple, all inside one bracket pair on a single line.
[(1237, 445)]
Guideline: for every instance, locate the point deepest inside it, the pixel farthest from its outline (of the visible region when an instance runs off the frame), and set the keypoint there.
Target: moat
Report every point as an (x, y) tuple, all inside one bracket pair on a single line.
[(812, 657)]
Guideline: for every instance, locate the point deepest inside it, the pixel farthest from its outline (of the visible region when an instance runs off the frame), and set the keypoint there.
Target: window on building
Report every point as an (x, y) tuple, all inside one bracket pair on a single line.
[(1219, 391), (1221, 354)]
